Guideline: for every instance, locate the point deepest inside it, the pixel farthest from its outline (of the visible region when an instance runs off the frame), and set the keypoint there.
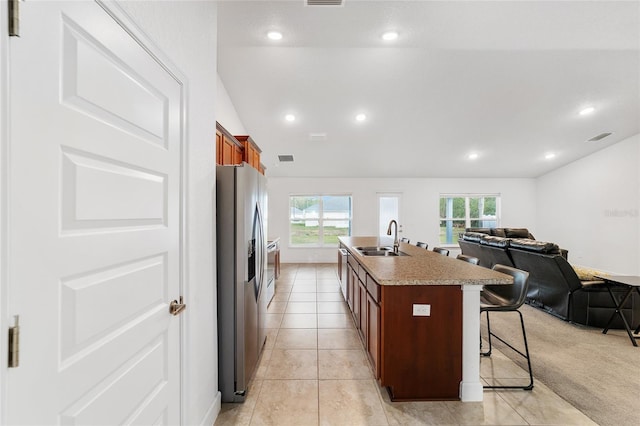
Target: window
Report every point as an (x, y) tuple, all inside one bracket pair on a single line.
[(458, 212), (318, 220)]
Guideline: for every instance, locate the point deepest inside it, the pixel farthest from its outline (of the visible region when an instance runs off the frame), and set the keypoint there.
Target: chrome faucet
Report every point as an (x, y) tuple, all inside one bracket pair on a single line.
[(396, 244)]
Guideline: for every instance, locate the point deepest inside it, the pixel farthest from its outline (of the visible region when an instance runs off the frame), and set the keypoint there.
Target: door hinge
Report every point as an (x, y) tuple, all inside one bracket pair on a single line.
[(14, 344), (14, 18)]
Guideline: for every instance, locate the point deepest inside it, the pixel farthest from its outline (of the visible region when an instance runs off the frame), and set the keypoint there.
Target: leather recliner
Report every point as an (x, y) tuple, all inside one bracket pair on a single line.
[(490, 250), (554, 285)]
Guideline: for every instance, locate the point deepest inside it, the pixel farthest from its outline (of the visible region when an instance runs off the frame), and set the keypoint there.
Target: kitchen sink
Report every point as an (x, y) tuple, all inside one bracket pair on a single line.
[(374, 248), (379, 251)]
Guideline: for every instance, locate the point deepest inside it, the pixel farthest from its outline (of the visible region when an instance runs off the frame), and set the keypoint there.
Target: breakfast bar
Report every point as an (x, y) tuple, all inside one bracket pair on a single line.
[(417, 313)]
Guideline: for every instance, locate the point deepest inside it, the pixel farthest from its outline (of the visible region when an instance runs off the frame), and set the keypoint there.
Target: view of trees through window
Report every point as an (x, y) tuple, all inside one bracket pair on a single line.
[(458, 212), (318, 220)]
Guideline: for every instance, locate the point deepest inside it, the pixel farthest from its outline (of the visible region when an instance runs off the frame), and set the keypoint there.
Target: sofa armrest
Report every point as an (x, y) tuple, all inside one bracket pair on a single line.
[(591, 283)]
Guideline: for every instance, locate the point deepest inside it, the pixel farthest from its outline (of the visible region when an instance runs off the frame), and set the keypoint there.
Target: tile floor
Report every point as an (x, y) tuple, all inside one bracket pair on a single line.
[(314, 371)]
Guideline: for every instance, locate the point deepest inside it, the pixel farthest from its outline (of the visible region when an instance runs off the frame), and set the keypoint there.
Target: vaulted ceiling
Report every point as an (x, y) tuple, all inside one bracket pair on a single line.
[(504, 80)]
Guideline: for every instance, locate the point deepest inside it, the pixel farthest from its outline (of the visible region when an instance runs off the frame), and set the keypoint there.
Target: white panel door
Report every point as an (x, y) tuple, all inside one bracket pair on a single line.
[(94, 221)]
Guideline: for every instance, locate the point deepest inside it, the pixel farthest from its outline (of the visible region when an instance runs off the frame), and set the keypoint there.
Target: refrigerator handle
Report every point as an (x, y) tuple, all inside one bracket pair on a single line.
[(262, 246)]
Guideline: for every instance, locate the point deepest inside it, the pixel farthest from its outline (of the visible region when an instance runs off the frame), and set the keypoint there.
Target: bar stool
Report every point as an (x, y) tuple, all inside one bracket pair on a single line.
[(442, 251), (423, 245), (467, 258), (507, 298)]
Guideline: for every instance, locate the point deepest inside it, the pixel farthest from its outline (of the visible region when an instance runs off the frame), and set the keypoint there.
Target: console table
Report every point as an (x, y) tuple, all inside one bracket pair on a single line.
[(632, 282)]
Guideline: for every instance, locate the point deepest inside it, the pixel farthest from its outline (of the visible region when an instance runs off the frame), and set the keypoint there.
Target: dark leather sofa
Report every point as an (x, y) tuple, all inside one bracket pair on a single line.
[(554, 285), (488, 249)]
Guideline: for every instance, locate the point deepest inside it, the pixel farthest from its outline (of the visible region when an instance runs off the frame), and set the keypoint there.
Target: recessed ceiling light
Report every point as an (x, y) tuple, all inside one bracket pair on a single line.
[(361, 117), (472, 156), (549, 155), (290, 117), (274, 35), (587, 110), (390, 35)]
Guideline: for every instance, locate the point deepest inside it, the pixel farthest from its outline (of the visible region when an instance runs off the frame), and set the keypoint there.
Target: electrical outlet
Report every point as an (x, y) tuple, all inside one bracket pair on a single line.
[(421, 310)]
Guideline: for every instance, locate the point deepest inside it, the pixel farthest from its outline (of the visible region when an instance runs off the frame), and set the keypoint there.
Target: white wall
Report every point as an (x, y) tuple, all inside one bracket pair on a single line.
[(420, 208), (226, 113), (590, 207), (186, 32)]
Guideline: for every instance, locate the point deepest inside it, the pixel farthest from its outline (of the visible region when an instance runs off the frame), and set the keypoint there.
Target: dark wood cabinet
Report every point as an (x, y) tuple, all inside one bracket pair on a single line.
[(356, 299), (415, 357), (351, 279), (373, 334), (421, 356), (363, 299), (362, 325)]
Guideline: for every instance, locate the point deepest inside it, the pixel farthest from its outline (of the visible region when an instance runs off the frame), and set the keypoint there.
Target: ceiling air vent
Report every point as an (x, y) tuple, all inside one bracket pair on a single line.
[(599, 137), (324, 2), (317, 137), (288, 158)]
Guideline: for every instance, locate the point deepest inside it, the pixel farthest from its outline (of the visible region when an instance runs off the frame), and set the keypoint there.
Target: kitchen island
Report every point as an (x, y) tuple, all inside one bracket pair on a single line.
[(418, 315)]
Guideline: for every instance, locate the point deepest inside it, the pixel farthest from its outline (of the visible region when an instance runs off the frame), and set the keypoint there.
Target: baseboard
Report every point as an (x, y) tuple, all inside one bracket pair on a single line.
[(212, 412)]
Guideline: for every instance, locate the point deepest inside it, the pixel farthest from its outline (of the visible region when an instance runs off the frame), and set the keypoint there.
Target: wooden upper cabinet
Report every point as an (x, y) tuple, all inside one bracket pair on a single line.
[(228, 149), (238, 154), (218, 146), (236, 149), (251, 151)]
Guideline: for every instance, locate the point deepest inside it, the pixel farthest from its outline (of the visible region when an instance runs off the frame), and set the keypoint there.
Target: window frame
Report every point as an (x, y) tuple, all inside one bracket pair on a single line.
[(467, 211), (321, 219)]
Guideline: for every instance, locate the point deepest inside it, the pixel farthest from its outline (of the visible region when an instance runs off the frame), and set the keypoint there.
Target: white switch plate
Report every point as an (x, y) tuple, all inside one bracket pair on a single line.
[(421, 310)]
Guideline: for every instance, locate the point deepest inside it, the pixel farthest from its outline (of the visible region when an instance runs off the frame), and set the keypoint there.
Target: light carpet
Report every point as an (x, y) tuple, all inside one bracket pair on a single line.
[(597, 373)]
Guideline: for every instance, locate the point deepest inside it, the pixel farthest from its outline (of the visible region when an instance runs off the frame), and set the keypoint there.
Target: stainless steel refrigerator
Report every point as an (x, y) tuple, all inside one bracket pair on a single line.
[(241, 264)]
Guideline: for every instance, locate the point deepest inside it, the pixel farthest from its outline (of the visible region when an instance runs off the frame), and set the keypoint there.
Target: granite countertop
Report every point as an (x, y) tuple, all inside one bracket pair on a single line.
[(420, 267)]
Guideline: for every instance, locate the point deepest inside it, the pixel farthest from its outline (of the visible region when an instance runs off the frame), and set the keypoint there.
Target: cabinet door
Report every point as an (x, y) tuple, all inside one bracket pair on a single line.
[(373, 334), (227, 151), (248, 153), (362, 325), (237, 154), (356, 299), (218, 147), (351, 280)]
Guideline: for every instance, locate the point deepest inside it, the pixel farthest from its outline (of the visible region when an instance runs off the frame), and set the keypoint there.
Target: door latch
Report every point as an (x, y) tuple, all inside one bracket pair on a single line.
[(14, 344), (176, 308), (14, 18)]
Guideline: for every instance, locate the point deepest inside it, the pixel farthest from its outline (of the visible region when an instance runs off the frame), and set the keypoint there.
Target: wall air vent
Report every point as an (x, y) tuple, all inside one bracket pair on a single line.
[(599, 137), (288, 158), (324, 2)]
